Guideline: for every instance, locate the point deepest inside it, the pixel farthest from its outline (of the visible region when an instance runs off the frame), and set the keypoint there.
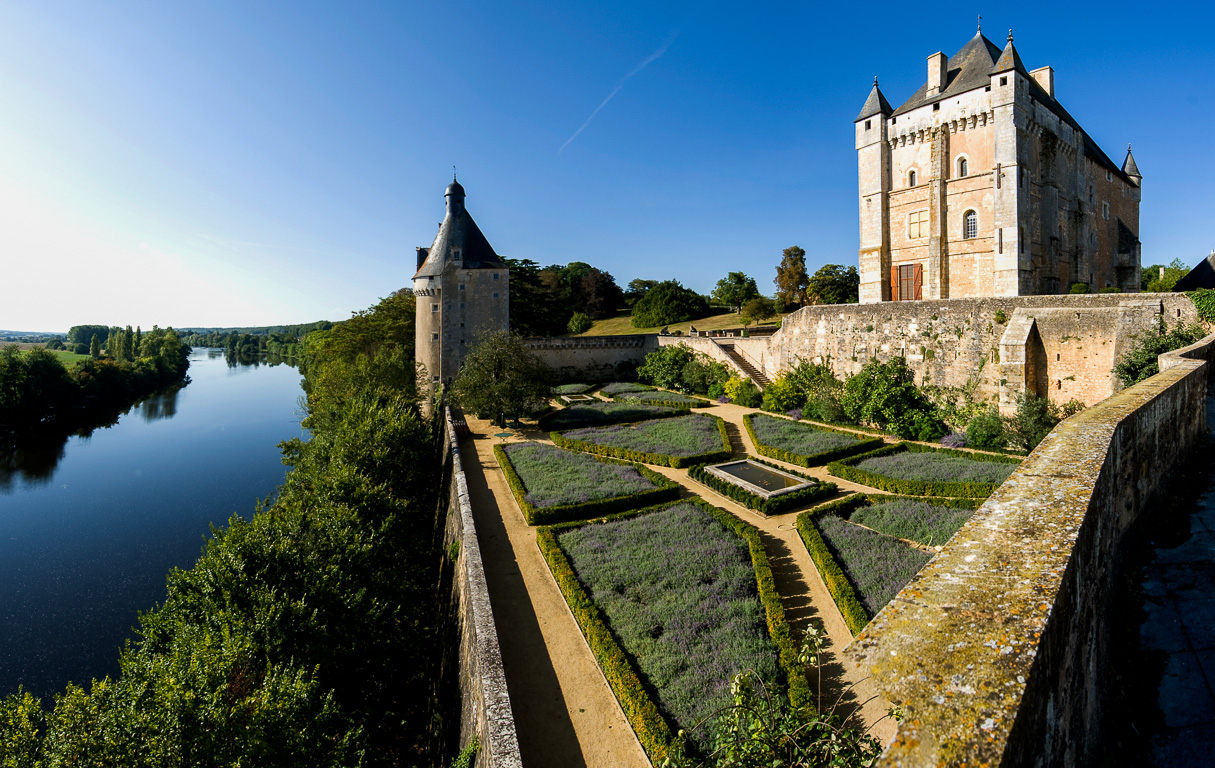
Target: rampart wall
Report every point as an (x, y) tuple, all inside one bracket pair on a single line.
[(485, 709), (594, 358), (998, 649), (1062, 347)]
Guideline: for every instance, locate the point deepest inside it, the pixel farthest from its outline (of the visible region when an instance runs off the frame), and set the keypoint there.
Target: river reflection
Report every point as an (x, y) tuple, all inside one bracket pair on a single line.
[(90, 526)]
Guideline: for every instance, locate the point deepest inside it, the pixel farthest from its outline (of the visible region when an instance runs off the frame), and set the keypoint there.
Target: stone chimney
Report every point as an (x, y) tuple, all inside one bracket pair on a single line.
[(1045, 76), (938, 73)]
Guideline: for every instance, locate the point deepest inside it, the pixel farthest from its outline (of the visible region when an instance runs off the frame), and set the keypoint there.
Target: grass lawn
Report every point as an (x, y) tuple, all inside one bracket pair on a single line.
[(622, 324), (679, 592)]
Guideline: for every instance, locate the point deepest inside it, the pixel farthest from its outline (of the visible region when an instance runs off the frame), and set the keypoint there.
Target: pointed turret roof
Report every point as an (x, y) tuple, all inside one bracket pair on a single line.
[(458, 232), (876, 104), (966, 70), (1009, 60), (1129, 167)]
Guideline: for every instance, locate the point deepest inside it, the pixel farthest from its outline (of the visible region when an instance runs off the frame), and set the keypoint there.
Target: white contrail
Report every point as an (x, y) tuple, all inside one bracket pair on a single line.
[(644, 62)]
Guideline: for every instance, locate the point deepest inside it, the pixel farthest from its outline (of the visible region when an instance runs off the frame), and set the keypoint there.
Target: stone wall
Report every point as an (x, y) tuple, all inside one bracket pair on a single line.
[(1069, 342), (997, 649), (485, 709), (594, 358)]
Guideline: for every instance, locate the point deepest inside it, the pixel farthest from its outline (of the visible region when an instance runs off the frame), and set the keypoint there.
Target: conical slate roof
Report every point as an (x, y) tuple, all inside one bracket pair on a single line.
[(876, 104), (1009, 60), (967, 69), (1129, 167), (458, 232)]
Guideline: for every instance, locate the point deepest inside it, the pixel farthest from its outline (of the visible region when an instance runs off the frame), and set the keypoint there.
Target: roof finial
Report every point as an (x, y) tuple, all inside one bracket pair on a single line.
[(1128, 149), (980, 25), (875, 81), (1010, 35), (453, 173)]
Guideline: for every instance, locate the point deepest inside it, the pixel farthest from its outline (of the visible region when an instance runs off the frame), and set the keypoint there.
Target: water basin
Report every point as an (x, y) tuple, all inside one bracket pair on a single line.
[(578, 399), (759, 479)]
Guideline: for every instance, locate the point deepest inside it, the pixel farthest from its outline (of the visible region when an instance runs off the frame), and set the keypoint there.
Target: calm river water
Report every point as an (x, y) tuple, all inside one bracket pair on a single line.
[(87, 546)]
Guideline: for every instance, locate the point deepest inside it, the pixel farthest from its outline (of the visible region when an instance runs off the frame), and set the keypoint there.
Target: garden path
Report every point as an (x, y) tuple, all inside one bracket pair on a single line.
[(565, 714)]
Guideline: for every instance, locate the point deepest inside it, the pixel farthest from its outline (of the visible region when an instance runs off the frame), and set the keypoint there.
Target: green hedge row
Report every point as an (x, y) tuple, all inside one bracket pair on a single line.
[(624, 397), (833, 575), (814, 459), (667, 490), (545, 422), (639, 708), (661, 459), (847, 470), (772, 506)]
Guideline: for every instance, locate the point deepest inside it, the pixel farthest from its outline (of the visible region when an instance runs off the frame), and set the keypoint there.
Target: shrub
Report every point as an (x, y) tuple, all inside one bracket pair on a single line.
[(666, 303), (571, 389), (772, 506), (552, 485), (678, 442), (954, 440), (1000, 317), (579, 323), (657, 397), (795, 414), (1204, 302), (986, 431), (803, 444), (781, 396), (885, 395), (933, 473), (1034, 419), (744, 392), (842, 592), (1142, 360), (1078, 288), (1109, 289)]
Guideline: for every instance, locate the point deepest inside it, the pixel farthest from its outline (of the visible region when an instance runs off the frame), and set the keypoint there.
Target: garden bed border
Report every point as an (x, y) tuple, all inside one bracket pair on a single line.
[(846, 469), (813, 459), (678, 462)]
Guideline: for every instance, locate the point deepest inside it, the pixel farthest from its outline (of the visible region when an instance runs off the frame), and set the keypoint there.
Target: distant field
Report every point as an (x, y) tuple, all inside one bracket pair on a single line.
[(67, 358), (622, 324)]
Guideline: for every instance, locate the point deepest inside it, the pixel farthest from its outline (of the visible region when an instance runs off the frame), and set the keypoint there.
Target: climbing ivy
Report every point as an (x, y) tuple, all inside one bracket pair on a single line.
[(1204, 301)]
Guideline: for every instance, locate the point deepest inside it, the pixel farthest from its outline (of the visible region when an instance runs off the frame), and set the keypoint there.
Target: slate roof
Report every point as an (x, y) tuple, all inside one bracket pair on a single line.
[(1129, 167), (1201, 276), (973, 66), (458, 230), (876, 104)]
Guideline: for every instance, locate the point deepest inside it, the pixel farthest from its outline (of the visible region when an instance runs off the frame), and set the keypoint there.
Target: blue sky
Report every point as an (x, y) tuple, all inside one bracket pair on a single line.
[(238, 163)]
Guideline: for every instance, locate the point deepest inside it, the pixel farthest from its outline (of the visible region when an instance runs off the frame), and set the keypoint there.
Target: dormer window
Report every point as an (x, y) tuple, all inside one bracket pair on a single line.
[(867, 125), (456, 254), (911, 178), (962, 170)]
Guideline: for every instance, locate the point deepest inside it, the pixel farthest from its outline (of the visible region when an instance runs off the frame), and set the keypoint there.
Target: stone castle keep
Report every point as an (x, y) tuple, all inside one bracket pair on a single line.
[(982, 184), (463, 290)]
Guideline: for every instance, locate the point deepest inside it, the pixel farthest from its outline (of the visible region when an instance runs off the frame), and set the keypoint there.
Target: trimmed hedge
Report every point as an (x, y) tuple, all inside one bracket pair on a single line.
[(855, 616), (667, 490), (636, 397), (847, 470), (772, 506), (661, 459), (814, 459), (652, 729), (601, 419)]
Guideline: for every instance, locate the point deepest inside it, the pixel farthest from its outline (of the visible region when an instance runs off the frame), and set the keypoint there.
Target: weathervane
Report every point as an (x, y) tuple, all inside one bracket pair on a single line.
[(980, 23)]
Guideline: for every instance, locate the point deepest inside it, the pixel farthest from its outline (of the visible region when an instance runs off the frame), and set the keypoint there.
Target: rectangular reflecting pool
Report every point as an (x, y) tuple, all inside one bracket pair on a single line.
[(578, 399), (759, 479)]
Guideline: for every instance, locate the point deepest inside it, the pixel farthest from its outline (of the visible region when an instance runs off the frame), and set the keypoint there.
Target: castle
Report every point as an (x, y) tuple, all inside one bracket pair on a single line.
[(981, 184), (462, 288)]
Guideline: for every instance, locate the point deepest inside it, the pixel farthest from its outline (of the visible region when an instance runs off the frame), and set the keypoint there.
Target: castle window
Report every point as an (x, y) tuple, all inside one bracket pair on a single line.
[(1105, 210), (936, 107), (917, 224), (866, 125), (461, 286), (911, 178), (906, 282), (1109, 176), (434, 337), (970, 225), (1021, 239), (434, 307), (961, 167), (1003, 81), (495, 275), (456, 254), (1090, 193), (495, 295)]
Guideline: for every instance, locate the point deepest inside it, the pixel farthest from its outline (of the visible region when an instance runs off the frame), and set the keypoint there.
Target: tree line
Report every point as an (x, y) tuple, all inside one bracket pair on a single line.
[(307, 632)]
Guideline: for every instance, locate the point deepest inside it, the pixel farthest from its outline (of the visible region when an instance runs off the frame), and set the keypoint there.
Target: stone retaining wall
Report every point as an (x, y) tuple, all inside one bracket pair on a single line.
[(594, 358), (998, 648), (485, 709)]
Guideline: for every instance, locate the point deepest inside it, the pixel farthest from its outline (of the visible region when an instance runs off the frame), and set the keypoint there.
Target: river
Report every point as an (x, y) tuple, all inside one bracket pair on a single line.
[(87, 540)]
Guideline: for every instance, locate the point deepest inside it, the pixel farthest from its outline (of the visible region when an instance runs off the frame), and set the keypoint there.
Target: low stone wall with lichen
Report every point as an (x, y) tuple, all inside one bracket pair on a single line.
[(997, 650), (485, 710)]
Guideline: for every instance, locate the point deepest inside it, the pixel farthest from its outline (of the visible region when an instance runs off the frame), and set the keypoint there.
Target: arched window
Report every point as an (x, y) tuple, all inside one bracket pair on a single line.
[(961, 167), (911, 178), (970, 225)]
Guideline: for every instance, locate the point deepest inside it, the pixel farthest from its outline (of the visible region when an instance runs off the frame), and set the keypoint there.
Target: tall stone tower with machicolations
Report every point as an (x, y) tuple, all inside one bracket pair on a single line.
[(462, 288), (981, 184)]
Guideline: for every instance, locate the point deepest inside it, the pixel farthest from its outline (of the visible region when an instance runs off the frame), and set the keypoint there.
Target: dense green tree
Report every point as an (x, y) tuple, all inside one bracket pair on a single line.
[(637, 289), (834, 284), (597, 294), (666, 303), (83, 334), (791, 278), (55, 343), (820, 389), (95, 347), (536, 309), (1034, 418), (735, 290), (885, 395), (759, 309), (579, 323), (1160, 278), (501, 377)]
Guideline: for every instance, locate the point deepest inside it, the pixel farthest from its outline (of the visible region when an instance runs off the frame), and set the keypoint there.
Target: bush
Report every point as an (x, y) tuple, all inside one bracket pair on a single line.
[(853, 613), (885, 395), (744, 392), (667, 303), (657, 397), (579, 323), (1034, 419), (1078, 288), (986, 431), (1109, 289), (954, 440), (677, 366), (1142, 360), (877, 565), (927, 524), (781, 396), (1204, 302)]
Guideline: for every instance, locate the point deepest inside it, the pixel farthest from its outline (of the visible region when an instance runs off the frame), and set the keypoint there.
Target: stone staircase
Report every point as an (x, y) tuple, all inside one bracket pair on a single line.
[(744, 365)]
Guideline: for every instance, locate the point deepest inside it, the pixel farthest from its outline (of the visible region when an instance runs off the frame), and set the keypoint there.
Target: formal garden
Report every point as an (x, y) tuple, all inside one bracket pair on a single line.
[(660, 397), (918, 470), (805, 493), (675, 601), (674, 442), (602, 413), (804, 444), (553, 485)]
